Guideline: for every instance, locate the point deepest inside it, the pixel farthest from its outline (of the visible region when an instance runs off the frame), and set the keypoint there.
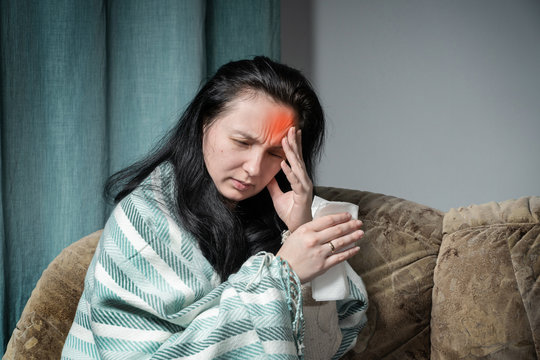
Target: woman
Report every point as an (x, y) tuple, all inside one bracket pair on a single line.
[(185, 267)]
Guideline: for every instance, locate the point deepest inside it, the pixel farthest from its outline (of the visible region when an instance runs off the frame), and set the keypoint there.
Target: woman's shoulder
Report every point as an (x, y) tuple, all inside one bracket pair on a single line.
[(155, 196), (161, 177), (149, 212)]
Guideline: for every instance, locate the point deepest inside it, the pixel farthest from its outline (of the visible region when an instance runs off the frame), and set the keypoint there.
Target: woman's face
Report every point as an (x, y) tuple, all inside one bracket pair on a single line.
[(242, 148)]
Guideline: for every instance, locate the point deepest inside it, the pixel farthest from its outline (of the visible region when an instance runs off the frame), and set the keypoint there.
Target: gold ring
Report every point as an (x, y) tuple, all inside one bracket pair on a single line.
[(332, 247)]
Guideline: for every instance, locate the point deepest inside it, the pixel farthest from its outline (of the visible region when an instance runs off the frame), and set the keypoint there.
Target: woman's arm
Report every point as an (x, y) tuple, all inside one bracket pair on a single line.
[(311, 246), (293, 207)]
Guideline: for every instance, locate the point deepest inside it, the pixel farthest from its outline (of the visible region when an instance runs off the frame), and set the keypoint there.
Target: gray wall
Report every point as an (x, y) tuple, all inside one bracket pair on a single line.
[(434, 101)]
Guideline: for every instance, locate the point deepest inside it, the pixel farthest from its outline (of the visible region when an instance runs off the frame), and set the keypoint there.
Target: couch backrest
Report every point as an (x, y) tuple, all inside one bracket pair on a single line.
[(396, 261), (486, 297)]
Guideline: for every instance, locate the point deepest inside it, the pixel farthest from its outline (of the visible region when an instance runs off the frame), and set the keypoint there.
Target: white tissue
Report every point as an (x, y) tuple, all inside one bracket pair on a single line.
[(333, 284)]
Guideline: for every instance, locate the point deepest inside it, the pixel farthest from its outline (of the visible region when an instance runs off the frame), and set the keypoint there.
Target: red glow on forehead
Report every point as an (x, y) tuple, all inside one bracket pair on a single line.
[(279, 124)]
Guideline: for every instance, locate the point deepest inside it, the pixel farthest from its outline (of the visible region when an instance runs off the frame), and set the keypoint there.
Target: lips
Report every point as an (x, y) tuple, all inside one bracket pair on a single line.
[(240, 185)]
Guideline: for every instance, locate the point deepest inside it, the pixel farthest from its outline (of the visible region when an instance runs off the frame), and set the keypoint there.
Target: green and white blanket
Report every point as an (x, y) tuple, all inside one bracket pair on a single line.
[(151, 294)]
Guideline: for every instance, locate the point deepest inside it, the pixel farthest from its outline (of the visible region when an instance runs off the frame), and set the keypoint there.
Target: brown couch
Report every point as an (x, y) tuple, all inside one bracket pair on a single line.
[(460, 285)]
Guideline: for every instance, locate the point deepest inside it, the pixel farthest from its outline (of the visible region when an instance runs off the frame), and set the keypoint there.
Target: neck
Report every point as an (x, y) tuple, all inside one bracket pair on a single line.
[(230, 204)]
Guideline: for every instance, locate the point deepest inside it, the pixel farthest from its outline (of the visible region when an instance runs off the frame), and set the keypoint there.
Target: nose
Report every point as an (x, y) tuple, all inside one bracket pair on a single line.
[(253, 163)]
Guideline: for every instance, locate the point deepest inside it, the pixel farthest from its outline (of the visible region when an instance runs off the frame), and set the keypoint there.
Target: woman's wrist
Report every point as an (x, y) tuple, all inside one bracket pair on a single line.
[(284, 235), (307, 218)]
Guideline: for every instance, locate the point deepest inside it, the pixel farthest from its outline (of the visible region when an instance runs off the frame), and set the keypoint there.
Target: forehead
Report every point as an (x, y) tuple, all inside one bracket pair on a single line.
[(259, 117)]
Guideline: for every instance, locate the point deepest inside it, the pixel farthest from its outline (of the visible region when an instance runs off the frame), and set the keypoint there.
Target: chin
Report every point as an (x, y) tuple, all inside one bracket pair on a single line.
[(239, 197), (235, 195)]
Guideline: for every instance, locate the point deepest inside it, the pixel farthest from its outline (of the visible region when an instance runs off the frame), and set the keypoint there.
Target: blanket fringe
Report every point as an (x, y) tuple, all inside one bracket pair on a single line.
[(293, 287)]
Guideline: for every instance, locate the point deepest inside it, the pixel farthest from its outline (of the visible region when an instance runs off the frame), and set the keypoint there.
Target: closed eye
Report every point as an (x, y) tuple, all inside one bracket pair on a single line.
[(241, 142), (281, 156)]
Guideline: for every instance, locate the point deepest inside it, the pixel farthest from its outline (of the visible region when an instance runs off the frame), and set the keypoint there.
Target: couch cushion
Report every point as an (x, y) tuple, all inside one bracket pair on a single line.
[(321, 333), (396, 262), (48, 314), (486, 291)]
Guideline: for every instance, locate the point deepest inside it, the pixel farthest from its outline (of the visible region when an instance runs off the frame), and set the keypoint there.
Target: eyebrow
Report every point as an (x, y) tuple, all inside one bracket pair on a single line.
[(246, 135)]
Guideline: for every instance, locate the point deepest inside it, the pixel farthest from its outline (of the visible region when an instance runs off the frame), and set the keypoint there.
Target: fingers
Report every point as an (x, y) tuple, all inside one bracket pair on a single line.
[(328, 221), (293, 179), (296, 172), (337, 231), (341, 232), (344, 242), (290, 143), (340, 257), (294, 140), (322, 243)]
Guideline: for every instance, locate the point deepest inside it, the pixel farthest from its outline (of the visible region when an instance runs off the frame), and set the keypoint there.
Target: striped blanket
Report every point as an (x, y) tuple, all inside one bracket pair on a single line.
[(150, 293)]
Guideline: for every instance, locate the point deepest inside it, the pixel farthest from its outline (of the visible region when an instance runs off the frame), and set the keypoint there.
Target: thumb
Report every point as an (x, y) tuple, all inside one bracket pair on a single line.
[(274, 190)]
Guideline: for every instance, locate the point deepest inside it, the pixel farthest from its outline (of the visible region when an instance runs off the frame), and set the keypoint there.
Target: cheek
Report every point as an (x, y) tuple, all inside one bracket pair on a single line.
[(214, 149), (225, 158), (213, 158), (272, 168)]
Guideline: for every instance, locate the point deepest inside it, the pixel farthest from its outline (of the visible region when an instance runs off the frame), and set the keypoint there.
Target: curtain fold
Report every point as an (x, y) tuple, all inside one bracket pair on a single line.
[(154, 69), (228, 40), (87, 87), (53, 127)]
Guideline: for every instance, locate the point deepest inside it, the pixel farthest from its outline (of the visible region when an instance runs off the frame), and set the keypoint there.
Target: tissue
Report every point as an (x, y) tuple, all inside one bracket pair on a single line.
[(333, 284)]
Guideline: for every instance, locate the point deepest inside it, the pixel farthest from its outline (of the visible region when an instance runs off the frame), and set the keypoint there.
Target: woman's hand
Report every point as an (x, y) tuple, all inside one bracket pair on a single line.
[(293, 207), (320, 244)]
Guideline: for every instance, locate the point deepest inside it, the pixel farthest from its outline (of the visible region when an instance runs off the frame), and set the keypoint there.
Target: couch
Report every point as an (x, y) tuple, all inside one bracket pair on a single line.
[(456, 285)]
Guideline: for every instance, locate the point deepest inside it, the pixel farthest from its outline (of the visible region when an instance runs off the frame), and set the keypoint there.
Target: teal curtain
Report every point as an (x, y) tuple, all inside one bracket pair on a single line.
[(87, 87)]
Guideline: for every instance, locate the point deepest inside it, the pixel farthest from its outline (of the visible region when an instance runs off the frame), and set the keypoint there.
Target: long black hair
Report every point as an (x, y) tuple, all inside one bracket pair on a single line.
[(227, 237)]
